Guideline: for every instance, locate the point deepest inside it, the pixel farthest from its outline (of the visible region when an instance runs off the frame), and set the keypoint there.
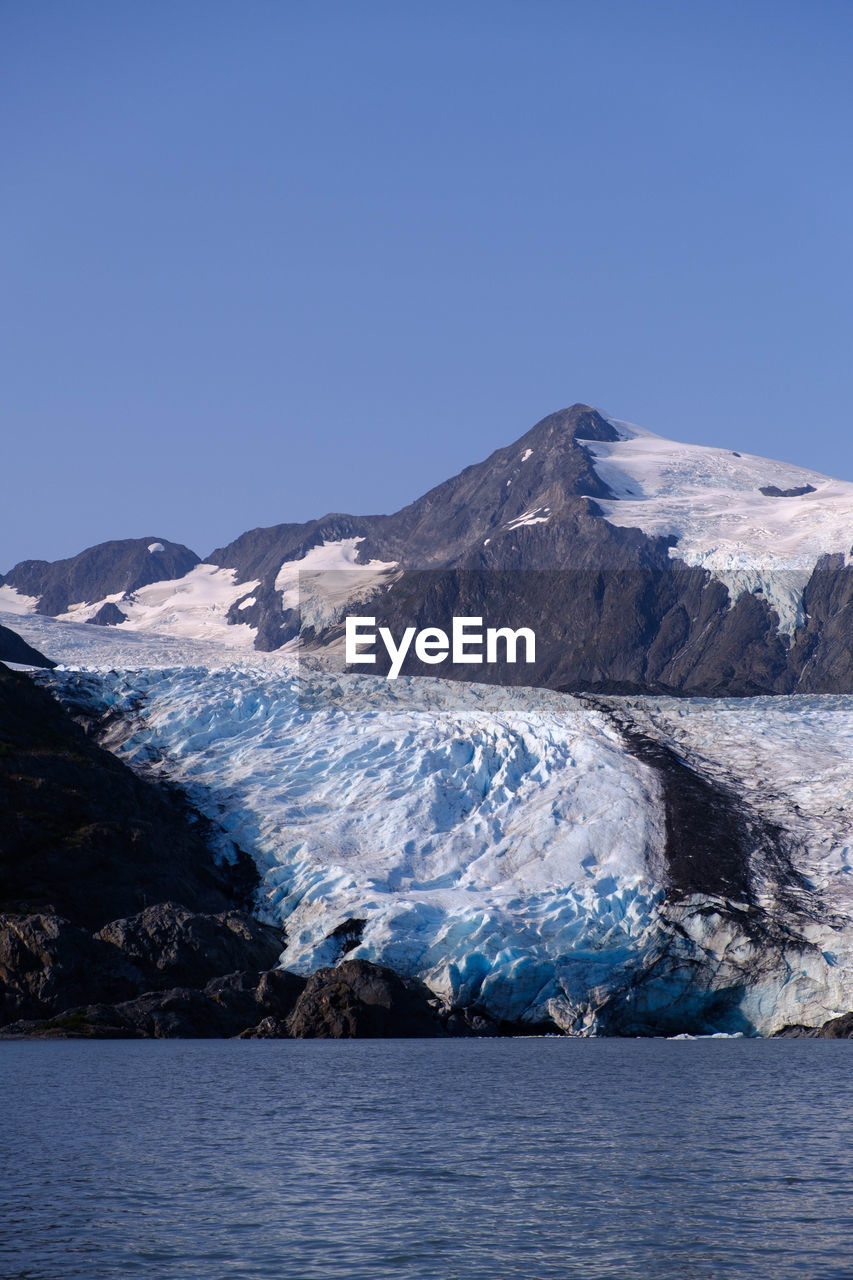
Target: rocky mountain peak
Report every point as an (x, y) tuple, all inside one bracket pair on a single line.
[(578, 422)]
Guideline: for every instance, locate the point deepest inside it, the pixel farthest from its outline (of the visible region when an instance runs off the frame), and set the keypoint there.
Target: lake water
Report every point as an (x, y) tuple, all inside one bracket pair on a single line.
[(449, 1160)]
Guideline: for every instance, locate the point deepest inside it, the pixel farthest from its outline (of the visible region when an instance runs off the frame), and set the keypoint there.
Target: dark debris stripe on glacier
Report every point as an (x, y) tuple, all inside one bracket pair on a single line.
[(716, 843)]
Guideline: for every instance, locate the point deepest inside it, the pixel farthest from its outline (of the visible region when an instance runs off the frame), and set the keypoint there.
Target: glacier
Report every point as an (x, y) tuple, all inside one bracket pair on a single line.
[(506, 845)]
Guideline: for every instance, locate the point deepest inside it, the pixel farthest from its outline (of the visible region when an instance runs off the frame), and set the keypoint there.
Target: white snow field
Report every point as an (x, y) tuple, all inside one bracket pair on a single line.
[(501, 844), (193, 607), (84, 645), (328, 579), (710, 500)]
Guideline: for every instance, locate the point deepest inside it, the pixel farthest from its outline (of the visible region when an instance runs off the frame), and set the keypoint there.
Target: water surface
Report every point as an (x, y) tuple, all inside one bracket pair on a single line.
[(461, 1160)]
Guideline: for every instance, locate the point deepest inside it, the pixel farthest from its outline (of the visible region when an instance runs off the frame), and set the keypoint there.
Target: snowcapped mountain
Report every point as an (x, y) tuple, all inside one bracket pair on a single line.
[(641, 563)]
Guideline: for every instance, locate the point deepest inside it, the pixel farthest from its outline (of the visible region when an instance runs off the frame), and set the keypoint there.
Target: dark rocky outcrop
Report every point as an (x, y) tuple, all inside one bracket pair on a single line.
[(170, 974), (799, 491), (48, 964), (172, 946), (109, 615), (232, 1004), (365, 1000), (840, 1028), (13, 648)]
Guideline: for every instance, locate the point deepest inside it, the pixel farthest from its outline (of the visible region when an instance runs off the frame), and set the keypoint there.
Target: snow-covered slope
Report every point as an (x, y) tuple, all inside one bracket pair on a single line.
[(194, 607), (711, 501), (79, 644), (328, 580), (16, 603)]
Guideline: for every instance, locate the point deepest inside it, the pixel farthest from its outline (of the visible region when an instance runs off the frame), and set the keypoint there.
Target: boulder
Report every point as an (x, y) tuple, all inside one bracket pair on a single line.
[(366, 1000)]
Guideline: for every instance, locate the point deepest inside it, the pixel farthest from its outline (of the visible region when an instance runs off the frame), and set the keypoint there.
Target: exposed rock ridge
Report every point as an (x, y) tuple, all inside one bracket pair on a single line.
[(123, 565)]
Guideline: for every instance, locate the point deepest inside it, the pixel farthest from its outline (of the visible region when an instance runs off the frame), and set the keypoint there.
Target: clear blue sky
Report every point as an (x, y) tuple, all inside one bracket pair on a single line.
[(262, 260)]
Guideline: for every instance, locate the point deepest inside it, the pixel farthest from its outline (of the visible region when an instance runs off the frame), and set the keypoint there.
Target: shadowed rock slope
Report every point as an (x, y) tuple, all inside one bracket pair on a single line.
[(108, 886), (15, 649)]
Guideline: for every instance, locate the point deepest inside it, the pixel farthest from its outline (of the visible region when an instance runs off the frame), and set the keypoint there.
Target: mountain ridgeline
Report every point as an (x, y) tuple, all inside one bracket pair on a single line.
[(527, 538)]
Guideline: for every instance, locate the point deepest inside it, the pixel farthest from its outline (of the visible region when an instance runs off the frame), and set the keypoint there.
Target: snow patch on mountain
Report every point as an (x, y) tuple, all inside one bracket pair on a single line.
[(15, 602), (534, 515), (710, 501), (328, 579), (193, 607)]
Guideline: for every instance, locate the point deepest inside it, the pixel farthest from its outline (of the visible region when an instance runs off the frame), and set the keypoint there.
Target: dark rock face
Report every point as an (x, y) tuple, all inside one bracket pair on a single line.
[(103, 570), (365, 1000), (169, 974), (15, 649), (838, 1028), (47, 964), (85, 846), (83, 836), (821, 655), (235, 1004), (109, 615), (444, 526), (623, 630), (173, 946)]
